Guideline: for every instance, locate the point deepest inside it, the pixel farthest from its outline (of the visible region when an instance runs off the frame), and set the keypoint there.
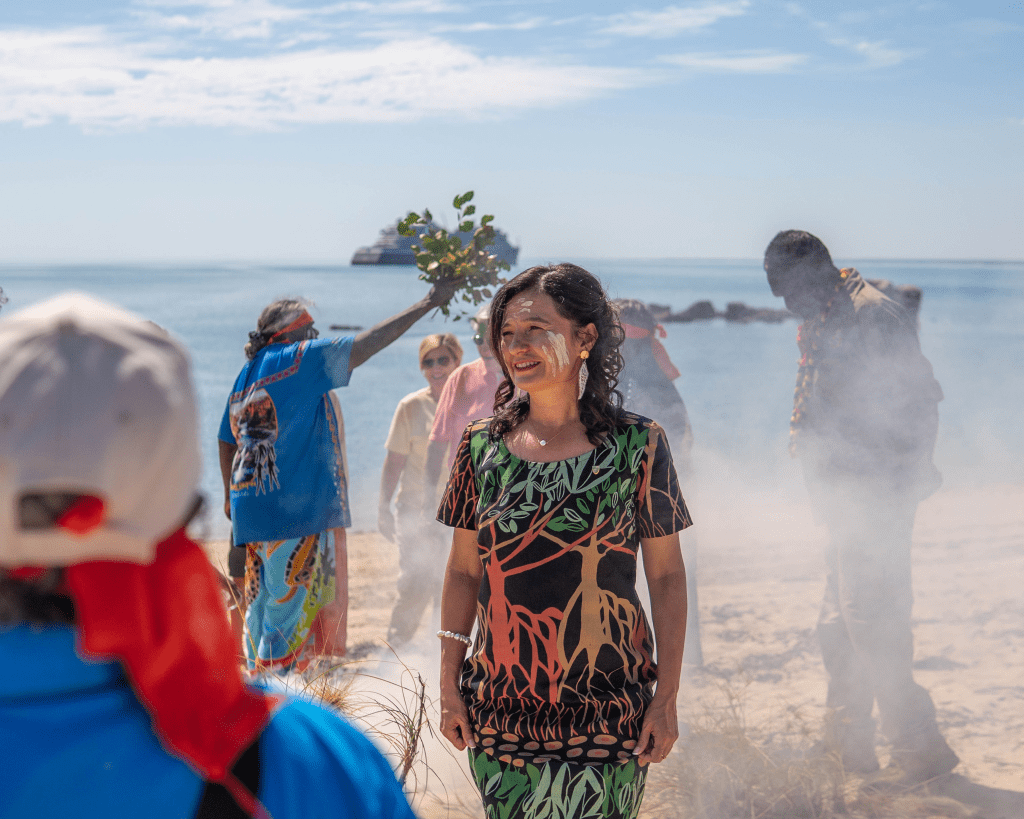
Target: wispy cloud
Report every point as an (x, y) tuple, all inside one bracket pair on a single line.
[(227, 19), (481, 26), (671, 20), (744, 62), (877, 54), (265, 64), (85, 77), (261, 19)]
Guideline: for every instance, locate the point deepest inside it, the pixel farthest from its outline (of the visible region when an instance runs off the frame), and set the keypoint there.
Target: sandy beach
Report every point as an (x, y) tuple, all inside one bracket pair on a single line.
[(760, 582)]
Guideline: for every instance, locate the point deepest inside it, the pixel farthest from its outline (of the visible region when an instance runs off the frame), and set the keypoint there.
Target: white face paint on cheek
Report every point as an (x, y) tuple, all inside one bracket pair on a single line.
[(558, 349)]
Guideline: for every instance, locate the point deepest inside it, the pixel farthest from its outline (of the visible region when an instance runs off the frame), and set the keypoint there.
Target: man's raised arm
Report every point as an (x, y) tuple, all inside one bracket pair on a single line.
[(372, 341)]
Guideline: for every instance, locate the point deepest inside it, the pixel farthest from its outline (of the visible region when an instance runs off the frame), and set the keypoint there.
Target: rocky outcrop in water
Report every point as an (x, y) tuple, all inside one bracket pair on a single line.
[(908, 295), (735, 311)]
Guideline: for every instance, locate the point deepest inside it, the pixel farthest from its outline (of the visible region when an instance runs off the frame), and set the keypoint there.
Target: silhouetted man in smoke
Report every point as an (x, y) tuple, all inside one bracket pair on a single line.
[(864, 423)]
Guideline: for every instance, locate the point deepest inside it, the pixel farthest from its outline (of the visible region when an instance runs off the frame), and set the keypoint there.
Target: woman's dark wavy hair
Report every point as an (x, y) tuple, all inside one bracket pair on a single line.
[(579, 297)]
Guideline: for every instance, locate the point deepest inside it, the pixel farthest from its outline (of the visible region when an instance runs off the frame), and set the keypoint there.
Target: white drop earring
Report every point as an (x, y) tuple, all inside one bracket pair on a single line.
[(584, 374)]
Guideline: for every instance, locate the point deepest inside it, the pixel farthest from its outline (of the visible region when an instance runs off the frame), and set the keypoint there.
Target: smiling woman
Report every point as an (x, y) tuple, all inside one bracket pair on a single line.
[(535, 341), (551, 501), (552, 316)]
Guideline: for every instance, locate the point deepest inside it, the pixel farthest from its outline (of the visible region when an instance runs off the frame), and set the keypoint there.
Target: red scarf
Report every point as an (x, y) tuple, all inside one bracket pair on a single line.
[(166, 623)]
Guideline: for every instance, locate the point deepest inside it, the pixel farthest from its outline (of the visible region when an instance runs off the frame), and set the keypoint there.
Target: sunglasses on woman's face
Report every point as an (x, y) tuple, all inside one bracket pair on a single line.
[(480, 336), (440, 361)]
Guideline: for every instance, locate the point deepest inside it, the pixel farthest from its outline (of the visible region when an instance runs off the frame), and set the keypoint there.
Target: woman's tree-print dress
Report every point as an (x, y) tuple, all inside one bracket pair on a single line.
[(562, 666)]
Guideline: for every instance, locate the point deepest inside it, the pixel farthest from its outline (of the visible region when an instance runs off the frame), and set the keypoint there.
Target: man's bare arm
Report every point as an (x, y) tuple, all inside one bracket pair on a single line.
[(372, 341), (227, 457)]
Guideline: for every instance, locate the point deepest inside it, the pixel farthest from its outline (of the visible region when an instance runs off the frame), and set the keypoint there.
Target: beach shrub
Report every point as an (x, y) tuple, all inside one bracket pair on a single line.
[(442, 254)]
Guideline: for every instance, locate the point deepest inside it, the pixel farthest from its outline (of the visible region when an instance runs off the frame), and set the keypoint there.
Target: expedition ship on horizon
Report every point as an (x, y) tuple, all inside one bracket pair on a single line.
[(394, 248)]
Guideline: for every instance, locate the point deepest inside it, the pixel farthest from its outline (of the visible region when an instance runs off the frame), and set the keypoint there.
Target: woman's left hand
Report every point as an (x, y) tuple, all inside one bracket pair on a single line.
[(660, 730)]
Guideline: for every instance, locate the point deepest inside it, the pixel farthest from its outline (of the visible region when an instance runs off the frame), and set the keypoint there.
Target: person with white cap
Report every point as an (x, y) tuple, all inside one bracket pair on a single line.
[(120, 695), (285, 484)]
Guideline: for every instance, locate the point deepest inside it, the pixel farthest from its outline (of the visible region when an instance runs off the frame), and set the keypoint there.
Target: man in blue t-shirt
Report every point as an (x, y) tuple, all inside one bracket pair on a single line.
[(287, 477), (282, 461)]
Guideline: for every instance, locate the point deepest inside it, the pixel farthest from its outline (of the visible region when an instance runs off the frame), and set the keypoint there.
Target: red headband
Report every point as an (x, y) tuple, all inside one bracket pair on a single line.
[(302, 321)]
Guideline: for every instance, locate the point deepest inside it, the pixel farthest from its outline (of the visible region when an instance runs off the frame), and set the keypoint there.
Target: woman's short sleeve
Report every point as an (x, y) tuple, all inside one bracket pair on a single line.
[(662, 510), (458, 504)]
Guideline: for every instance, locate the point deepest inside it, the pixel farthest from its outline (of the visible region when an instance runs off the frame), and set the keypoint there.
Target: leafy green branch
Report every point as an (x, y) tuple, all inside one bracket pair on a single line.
[(441, 254)]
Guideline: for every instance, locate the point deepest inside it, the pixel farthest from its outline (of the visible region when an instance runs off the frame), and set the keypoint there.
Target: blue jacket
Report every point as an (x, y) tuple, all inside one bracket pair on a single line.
[(77, 743)]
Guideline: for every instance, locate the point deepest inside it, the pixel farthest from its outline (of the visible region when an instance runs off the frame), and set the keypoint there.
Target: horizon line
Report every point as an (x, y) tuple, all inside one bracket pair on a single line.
[(328, 263)]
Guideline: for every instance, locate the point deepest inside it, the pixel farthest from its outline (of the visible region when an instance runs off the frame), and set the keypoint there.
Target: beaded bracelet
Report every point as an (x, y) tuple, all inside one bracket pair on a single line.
[(462, 638)]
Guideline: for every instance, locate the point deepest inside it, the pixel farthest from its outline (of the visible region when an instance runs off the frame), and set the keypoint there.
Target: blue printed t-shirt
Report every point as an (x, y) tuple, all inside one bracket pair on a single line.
[(288, 476)]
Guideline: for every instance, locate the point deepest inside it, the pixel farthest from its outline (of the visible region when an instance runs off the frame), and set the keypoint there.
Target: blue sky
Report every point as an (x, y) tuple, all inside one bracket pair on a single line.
[(289, 131)]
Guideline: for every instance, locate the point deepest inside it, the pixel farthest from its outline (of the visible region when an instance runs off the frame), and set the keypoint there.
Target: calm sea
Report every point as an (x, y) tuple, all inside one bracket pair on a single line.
[(737, 380)]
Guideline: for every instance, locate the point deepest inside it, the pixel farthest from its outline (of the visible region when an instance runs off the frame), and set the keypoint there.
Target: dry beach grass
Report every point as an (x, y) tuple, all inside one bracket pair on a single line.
[(753, 709)]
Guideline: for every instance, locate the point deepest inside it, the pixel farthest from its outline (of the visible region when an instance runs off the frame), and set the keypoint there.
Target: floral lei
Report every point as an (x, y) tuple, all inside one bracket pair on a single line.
[(810, 337)]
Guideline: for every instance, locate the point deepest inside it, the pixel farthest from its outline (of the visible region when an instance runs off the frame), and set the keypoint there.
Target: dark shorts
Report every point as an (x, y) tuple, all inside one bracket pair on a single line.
[(236, 561)]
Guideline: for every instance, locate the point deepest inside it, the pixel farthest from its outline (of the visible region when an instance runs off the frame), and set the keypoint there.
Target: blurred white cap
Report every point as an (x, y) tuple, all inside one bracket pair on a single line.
[(94, 401)]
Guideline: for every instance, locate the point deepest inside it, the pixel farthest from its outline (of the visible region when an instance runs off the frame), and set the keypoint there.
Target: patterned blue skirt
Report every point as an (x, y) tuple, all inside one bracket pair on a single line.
[(287, 583)]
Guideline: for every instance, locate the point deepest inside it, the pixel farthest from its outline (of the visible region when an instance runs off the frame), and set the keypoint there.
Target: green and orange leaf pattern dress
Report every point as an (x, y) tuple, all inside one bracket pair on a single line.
[(562, 666)]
